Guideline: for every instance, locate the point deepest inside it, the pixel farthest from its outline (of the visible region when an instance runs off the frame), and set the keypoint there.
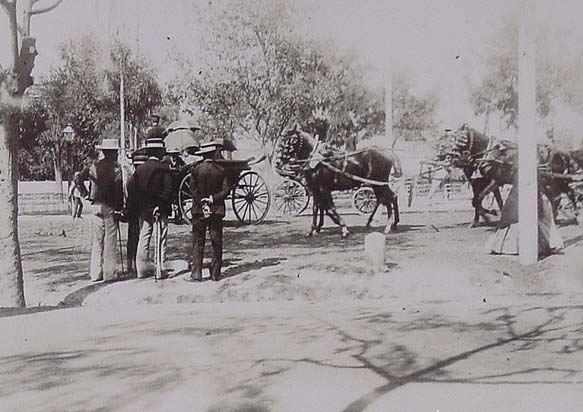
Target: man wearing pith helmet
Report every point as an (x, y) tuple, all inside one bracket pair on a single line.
[(153, 187), (106, 193)]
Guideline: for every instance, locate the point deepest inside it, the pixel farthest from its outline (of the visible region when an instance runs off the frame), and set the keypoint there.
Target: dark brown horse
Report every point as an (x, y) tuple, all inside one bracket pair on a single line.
[(559, 163), (469, 149), (326, 171)]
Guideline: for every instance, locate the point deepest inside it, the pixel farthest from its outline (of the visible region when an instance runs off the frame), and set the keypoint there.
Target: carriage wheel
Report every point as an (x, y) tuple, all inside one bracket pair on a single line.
[(250, 198), (291, 198), (185, 199), (364, 200)]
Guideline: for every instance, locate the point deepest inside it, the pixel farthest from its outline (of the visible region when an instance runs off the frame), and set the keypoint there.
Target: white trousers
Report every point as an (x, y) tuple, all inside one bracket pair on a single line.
[(105, 258), (146, 254)]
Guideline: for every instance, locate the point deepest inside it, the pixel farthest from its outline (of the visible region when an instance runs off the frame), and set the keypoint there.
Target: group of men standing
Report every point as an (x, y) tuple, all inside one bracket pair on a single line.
[(146, 207)]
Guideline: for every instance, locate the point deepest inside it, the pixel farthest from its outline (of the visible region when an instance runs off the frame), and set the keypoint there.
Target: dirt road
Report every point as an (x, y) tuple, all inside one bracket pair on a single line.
[(382, 355)]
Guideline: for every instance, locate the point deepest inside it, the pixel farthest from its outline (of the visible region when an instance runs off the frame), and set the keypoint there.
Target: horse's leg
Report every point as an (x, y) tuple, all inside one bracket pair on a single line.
[(396, 212), (321, 222), (475, 184), (498, 197), (369, 221), (315, 208), (480, 198), (330, 209)]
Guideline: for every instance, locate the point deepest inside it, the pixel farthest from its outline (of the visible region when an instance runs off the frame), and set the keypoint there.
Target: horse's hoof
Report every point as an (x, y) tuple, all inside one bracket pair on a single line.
[(345, 233), (393, 229), (309, 234), (473, 225)]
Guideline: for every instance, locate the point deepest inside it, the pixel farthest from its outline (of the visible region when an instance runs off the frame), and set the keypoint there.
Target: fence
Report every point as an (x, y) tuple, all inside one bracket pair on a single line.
[(42, 198)]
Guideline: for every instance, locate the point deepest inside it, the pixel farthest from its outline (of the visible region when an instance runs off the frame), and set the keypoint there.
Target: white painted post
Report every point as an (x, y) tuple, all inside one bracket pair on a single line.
[(388, 97), (527, 156)]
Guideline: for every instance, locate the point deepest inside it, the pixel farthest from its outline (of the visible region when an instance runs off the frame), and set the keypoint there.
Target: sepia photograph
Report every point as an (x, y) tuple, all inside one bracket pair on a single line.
[(291, 206)]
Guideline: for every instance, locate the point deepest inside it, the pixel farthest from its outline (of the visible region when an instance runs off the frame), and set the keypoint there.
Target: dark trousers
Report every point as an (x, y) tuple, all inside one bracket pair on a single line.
[(132, 245), (76, 206), (215, 227)]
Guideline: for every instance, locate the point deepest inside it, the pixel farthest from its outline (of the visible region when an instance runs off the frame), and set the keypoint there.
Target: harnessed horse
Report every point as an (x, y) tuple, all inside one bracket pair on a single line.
[(558, 162), (470, 149), (328, 172)]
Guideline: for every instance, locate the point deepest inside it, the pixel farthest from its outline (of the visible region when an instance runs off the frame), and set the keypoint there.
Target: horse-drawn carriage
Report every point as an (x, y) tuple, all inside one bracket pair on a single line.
[(292, 196), (250, 198), (310, 169)]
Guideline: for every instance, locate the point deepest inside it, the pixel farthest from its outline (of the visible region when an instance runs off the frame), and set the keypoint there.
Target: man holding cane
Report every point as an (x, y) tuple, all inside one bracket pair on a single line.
[(153, 186)]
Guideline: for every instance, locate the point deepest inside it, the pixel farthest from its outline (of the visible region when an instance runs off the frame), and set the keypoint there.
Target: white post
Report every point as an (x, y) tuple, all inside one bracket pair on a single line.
[(527, 156), (388, 98)]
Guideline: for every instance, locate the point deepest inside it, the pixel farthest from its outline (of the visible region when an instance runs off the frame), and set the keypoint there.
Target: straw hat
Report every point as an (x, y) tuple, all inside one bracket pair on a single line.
[(108, 144), (208, 148), (154, 143)]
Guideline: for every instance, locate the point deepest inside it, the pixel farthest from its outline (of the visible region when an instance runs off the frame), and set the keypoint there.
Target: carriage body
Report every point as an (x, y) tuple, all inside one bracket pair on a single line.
[(249, 197)]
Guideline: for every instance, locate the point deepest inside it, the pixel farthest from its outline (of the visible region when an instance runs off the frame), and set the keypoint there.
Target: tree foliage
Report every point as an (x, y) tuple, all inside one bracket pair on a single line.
[(257, 76), (497, 91), (83, 92)]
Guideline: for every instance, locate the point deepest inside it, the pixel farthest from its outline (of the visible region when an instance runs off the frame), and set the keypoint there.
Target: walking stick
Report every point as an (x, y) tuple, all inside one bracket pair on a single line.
[(120, 247), (158, 246)]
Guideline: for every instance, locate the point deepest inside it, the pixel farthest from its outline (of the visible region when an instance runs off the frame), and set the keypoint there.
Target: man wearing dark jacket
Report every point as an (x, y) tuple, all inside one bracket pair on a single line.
[(210, 187), (131, 213), (106, 192), (152, 187)]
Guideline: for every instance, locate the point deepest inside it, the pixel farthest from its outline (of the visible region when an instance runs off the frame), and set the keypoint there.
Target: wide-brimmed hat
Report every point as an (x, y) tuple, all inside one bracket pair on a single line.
[(154, 143), (138, 159), (108, 144), (208, 148)]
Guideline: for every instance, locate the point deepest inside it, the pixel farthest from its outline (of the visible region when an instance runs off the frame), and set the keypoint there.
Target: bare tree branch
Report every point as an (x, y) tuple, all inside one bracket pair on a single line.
[(44, 9), (7, 3)]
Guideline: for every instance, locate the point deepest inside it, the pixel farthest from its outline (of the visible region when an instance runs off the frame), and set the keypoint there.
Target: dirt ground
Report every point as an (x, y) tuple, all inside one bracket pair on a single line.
[(434, 255), (306, 326)]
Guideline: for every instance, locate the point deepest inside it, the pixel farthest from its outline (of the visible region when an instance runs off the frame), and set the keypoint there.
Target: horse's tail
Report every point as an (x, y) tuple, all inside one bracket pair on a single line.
[(397, 170)]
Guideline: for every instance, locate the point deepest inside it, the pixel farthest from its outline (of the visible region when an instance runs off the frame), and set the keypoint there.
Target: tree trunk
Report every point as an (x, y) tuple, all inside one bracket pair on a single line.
[(11, 279)]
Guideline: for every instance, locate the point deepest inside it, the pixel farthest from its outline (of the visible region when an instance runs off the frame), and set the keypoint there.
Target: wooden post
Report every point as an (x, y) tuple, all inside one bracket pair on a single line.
[(388, 98), (527, 156)]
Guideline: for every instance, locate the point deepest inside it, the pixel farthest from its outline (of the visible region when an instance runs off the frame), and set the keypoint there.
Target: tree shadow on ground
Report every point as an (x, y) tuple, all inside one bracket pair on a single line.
[(71, 374), (558, 331), (248, 266)]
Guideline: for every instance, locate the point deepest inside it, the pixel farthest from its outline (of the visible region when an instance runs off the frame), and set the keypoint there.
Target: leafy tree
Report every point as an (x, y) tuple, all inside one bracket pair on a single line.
[(413, 116), (13, 83), (74, 93), (257, 75), (497, 91)]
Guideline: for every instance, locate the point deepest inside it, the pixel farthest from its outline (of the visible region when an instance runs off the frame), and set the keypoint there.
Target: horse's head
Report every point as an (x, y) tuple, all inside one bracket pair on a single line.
[(468, 144), (319, 123), (296, 144)]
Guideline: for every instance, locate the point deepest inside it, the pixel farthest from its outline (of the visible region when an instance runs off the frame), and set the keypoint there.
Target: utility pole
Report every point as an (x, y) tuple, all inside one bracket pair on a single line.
[(527, 156)]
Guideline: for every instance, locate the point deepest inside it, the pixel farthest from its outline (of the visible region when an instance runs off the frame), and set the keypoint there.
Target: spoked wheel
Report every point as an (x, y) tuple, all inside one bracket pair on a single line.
[(250, 198), (185, 199), (291, 198), (364, 200)]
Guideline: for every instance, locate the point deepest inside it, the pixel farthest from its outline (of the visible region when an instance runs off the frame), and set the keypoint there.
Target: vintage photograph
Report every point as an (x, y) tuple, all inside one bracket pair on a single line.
[(291, 205)]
